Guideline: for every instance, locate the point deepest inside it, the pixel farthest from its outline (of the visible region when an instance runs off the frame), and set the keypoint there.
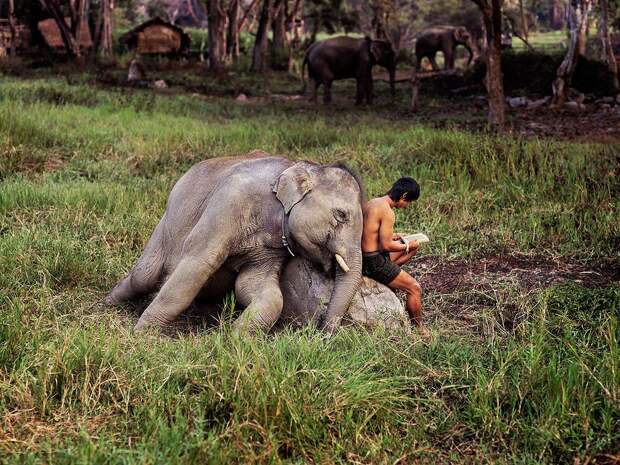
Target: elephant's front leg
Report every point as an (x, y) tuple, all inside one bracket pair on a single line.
[(369, 89), (360, 92), (258, 288)]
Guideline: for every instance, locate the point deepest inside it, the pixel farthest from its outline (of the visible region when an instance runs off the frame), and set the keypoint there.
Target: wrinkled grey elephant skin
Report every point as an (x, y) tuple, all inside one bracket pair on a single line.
[(306, 290), (347, 57), (223, 229), (443, 39)]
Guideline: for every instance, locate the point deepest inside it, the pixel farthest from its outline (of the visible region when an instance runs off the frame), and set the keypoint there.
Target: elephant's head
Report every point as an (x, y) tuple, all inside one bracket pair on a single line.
[(462, 36), (324, 208), (382, 53)]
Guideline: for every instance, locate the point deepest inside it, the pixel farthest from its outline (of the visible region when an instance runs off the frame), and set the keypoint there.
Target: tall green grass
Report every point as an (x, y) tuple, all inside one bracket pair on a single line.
[(530, 376)]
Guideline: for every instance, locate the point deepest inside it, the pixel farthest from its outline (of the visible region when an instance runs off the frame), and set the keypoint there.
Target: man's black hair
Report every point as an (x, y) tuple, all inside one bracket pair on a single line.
[(407, 187)]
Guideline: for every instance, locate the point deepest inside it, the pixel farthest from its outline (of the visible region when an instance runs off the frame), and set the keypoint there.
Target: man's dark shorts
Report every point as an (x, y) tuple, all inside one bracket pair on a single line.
[(378, 266)]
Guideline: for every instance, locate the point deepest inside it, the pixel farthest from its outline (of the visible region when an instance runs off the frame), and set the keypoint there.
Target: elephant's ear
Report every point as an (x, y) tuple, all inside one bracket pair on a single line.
[(460, 34), (293, 185), (375, 50)]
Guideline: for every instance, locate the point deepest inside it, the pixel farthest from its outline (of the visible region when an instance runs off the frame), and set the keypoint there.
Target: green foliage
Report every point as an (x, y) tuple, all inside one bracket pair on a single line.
[(85, 176)]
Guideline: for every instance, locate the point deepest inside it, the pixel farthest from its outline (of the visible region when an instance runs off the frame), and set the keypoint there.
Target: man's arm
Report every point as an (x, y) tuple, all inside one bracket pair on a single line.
[(386, 233)]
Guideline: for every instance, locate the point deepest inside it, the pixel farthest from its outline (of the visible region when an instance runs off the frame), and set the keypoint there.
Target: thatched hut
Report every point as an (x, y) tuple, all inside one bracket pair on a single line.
[(157, 36), (51, 34)]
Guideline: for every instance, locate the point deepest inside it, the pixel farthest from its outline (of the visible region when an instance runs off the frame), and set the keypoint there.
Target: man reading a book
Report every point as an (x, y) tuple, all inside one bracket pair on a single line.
[(383, 251)]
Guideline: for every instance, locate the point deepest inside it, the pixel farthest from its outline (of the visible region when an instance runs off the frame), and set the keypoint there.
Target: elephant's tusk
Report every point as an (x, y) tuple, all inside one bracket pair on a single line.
[(342, 263)]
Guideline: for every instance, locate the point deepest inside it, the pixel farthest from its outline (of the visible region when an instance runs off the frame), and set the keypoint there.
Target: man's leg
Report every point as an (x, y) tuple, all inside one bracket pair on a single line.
[(405, 282)]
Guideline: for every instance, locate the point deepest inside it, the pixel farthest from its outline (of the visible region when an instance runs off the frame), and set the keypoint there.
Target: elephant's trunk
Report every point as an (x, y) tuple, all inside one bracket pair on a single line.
[(347, 284), (471, 53)]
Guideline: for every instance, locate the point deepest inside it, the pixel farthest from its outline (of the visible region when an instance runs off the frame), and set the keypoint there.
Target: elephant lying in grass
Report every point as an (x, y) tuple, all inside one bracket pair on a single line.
[(236, 221)]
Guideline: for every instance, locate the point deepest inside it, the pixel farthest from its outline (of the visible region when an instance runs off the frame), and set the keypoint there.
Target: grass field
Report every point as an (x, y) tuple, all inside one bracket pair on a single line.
[(518, 370)]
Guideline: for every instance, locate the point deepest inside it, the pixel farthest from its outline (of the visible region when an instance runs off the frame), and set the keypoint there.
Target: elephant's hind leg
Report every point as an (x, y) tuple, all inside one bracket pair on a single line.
[(145, 275), (198, 263), (259, 289), (314, 86)]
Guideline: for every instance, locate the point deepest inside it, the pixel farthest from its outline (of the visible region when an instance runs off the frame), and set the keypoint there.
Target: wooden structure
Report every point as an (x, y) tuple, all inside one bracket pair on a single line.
[(51, 34), (22, 38), (157, 36)]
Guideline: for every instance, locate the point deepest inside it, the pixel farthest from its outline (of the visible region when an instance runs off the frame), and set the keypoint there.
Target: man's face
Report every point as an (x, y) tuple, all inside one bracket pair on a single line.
[(402, 203)]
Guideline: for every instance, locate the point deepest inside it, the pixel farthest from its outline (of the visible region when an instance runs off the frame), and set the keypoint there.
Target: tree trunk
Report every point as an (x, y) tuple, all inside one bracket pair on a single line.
[(13, 27), (379, 21), (295, 32), (246, 14), (65, 32), (232, 35), (415, 87), (492, 17), (217, 34), (103, 35), (262, 40), (557, 15), (606, 49), (577, 18), (524, 25), (279, 45)]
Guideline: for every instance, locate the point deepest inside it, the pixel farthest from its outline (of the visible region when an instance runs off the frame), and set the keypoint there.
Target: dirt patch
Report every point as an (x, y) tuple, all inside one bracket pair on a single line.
[(527, 272)]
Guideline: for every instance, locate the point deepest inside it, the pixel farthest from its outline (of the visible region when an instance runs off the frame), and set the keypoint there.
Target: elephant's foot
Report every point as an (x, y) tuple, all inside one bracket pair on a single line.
[(260, 292)]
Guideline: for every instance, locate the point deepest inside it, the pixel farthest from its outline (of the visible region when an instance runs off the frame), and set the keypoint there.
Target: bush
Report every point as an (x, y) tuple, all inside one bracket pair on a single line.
[(533, 72)]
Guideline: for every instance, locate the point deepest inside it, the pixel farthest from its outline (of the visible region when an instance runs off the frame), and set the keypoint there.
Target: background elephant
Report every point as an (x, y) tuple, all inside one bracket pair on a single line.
[(346, 57), (227, 223), (307, 289), (444, 39)]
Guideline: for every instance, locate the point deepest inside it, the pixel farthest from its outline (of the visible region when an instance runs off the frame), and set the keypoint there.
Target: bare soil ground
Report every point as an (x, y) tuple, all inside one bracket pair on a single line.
[(524, 271)]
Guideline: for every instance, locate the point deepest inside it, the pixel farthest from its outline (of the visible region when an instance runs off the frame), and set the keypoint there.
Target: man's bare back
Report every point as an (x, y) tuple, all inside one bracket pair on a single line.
[(377, 213), (383, 251)]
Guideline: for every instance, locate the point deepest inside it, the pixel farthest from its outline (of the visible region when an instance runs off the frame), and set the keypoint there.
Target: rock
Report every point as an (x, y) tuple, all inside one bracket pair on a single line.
[(618, 99), (517, 102), (377, 305), (538, 103), (575, 107), (160, 84), (607, 99), (576, 96), (605, 107), (241, 97), (136, 71)]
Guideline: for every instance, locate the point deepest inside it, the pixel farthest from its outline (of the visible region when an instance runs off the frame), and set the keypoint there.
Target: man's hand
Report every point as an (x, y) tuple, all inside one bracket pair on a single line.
[(413, 247), (397, 237)]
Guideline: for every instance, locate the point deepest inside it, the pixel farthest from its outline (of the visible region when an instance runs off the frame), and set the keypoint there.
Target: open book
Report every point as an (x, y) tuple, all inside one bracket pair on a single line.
[(421, 238)]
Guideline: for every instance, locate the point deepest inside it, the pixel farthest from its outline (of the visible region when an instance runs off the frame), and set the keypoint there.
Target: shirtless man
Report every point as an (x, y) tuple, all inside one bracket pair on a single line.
[(383, 251)]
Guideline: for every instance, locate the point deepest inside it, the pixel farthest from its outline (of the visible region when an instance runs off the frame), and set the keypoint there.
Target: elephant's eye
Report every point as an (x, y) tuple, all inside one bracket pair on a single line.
[(340, 215)]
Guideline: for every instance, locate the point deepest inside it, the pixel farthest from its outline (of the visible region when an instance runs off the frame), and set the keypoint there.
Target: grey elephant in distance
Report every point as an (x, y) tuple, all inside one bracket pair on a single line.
[(442, 39), (307, 289), (234, 222), (347, 57)]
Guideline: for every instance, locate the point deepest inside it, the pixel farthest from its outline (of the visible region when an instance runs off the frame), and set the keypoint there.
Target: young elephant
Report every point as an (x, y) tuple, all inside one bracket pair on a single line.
[(241, 218), (345, 57), (444, 39)]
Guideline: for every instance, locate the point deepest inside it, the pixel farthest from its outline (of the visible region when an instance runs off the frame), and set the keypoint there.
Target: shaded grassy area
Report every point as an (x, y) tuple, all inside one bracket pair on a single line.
[(85, 173)]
